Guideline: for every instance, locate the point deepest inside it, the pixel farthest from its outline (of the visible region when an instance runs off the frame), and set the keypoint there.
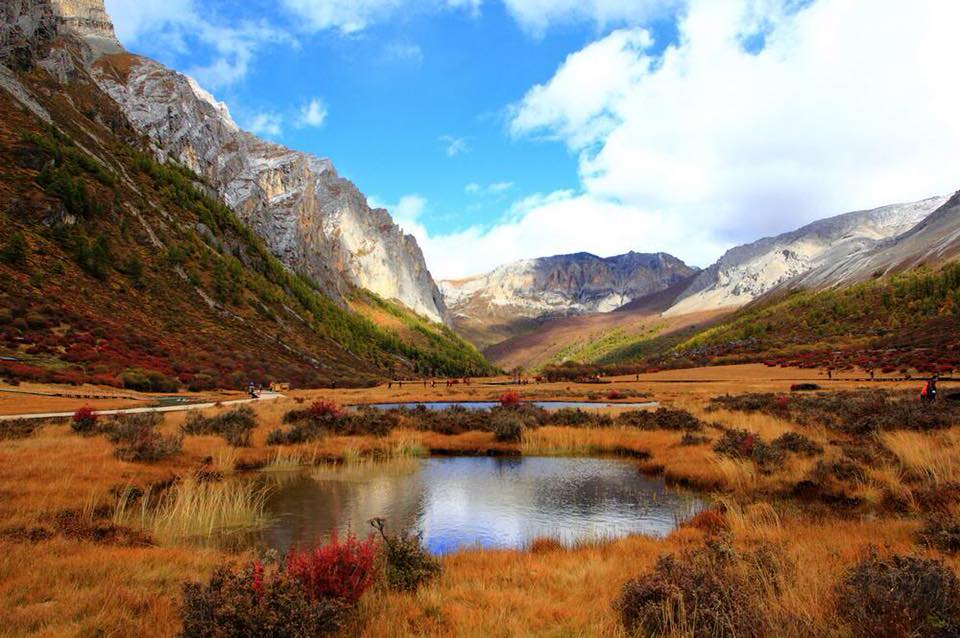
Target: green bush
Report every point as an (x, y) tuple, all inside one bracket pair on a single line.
[(15, 250), (507, 427), (408, 564), (235, 426), (148, 381)]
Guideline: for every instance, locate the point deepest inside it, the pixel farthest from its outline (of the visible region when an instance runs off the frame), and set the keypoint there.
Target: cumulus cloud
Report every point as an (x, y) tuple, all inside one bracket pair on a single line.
[(764, 116), (170, 25), (314, 114)]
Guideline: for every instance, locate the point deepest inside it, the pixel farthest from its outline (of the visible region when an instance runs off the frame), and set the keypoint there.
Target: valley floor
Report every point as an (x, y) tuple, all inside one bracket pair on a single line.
[(67, 568)]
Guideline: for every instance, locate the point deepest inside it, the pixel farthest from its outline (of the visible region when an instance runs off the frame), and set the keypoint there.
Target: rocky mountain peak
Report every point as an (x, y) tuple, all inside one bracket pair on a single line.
[(511, 295), (84, 18), (316, 222)]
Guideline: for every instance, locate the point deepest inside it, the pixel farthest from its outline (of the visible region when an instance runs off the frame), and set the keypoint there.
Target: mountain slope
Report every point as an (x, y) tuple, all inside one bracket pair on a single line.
[(515, 298), (746, 272), (116, 268), (933, 241)]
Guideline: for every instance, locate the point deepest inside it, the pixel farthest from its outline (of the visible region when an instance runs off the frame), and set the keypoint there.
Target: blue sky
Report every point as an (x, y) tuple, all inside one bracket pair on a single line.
[(502, 129)]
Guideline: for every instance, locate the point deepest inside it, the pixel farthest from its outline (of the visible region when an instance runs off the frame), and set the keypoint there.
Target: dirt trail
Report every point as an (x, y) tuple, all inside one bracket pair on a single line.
[(266, 396)]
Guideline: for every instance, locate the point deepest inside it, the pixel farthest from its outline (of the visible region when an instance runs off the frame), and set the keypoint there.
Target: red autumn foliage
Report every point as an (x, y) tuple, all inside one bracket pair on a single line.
[(323, 408), (614, 395), (341, 570), (84, 420), (510, 399)]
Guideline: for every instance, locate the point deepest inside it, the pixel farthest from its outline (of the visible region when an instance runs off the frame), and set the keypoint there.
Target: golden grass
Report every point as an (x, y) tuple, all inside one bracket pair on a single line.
[(935, 457), (65, 587), (196, 510)]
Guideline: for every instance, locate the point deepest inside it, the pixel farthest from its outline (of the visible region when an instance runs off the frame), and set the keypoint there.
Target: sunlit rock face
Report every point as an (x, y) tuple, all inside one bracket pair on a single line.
[(318, 223), (749, 271)]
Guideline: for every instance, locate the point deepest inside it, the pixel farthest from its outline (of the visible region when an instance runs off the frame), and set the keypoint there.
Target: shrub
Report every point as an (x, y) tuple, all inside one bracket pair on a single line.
[(740, 444), (705, 593), (148, 381), (255, 602), (137, 438), (942, 531), (577, 417), (510, 399), (323, 409), (690, 438), (19, 428), (15, 250), (408, 564), (507, 428), (235, 426), (797, 443), (900, 596), (661, 419), (342, 570), (804, 387), (84, 421)]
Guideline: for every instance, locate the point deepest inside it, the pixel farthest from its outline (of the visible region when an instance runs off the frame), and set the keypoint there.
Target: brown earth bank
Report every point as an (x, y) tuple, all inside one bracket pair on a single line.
[(804, 481)]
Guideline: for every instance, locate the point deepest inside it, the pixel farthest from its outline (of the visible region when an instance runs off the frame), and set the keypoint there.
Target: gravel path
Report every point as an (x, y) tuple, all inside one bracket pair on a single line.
[(266, 396)]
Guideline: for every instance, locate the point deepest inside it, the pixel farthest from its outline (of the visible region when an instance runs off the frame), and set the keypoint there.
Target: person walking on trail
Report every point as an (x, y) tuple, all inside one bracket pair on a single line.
[(929, 392)]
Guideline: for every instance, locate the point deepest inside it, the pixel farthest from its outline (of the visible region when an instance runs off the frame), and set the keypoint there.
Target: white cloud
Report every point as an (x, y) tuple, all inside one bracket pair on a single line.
[(496, 188), (555, 223), (314, 114), (352, 16), (454, 146), (266, 124), (170, 24), (537, 16), (842, 109)]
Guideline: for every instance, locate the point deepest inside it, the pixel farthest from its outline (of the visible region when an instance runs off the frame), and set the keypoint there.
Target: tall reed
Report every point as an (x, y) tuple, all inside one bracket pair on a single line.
[(194, 509)]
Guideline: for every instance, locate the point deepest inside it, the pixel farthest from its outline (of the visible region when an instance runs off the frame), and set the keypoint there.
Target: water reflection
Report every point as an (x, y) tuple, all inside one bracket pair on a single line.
[(492, 502)]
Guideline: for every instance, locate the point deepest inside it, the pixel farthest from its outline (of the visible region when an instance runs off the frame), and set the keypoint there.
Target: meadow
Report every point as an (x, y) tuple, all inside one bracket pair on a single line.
[(821, 497)]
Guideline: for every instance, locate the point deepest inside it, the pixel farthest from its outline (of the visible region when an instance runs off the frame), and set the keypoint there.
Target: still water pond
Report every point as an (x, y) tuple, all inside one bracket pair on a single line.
[(491, 502), (486, 405)]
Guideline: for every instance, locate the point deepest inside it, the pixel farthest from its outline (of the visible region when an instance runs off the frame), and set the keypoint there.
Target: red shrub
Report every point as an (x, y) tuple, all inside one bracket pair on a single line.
[(614, 395), (324, 409), (510, 399), (340, 570), (84, 420), (782, 402)]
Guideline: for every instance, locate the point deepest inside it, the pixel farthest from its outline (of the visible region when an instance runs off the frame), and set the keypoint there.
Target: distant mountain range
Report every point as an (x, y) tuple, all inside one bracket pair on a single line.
[(515, 297), (832, 252)]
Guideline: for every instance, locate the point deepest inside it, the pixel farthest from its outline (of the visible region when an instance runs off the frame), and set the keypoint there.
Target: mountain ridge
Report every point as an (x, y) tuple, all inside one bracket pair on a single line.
[(514, 297)]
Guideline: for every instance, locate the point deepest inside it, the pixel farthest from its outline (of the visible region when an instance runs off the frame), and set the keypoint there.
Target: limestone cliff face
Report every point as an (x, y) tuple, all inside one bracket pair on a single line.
[(318, 223)]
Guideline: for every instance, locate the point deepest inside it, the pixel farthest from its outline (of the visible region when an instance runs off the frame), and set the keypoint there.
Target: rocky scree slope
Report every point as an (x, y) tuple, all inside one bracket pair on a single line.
[(516, 297), (117, 268)]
